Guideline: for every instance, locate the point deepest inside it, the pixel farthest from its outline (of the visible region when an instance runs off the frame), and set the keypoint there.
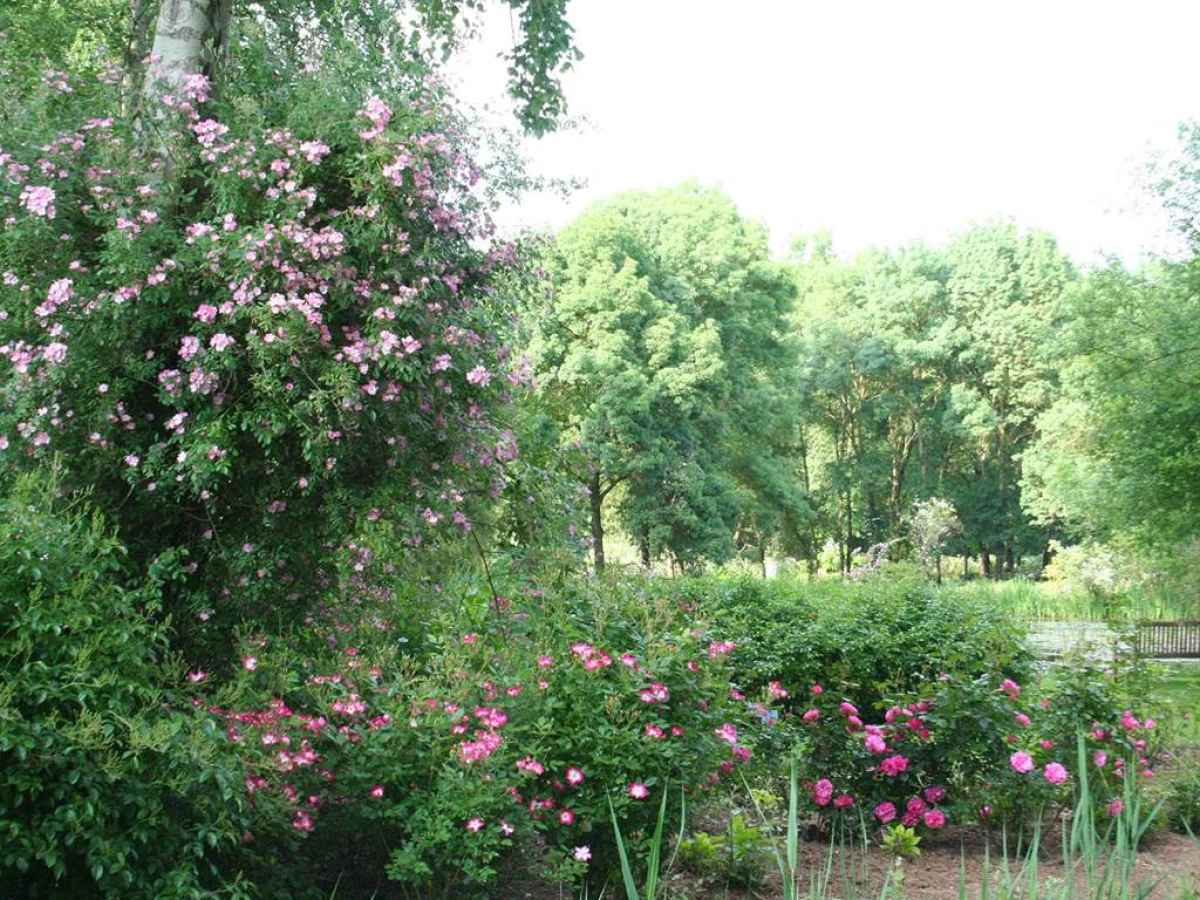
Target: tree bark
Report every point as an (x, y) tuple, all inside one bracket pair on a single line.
[(190, 36), (597, 499), (845, 560)]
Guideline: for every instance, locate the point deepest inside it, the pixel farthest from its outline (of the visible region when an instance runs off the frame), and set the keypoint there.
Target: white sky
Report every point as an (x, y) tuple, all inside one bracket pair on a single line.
[(882, 121)]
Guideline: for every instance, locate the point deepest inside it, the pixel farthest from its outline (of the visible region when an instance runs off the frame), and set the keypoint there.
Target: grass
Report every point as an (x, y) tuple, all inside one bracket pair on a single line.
[(1044, 602), (1178, 690)]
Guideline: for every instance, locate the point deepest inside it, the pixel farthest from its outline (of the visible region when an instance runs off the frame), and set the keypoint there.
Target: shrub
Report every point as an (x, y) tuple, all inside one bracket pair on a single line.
[(868, 638), (1182, 801), (108, 785), (289, 336), (454, 753), (962, 750)]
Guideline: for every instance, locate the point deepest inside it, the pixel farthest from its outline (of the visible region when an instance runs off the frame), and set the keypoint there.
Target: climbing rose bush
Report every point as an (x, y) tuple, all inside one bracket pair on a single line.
[(253, 342)]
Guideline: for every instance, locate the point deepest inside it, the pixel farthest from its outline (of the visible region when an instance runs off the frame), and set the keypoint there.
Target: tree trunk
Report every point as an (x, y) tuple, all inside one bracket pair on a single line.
[(597, 499), (937, 561), (985, 561), (190, 36), (845, 560), (966, 562), (644, 547)]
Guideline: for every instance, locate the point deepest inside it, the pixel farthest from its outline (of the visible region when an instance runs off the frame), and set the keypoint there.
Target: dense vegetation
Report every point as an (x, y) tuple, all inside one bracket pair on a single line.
[(302, 467)]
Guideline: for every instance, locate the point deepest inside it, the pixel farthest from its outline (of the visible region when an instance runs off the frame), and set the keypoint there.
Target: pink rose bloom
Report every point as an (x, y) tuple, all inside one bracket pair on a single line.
[(811, 716), (1115, 809), (893, 765), (1055, 773), (823, 792), (1101, 759), (935, 794), (638, 791), (885, 812), (876, 744), (480, 376), (727, 733), (843, 800), (935, 818), (1021, 762)]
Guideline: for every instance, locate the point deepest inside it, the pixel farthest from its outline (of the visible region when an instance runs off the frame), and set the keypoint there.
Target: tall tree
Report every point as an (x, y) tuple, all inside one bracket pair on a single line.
[(873, 369), (1006, 295), (1118, 454), (665, 328)]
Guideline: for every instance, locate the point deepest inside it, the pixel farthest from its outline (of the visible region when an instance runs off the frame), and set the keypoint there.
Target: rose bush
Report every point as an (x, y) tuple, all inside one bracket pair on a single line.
[(254, 338), (455, 748)]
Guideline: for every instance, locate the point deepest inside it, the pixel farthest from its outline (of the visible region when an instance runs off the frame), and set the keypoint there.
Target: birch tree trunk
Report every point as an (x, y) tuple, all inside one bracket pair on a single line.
[(190, 36)]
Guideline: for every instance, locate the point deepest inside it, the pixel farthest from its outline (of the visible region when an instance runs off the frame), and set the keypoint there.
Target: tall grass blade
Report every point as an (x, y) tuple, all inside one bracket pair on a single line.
[(631, 889)]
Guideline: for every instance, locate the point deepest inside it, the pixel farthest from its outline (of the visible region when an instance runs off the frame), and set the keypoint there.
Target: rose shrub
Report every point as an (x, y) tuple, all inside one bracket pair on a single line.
[(452, 750), (964, 750), (253, 337)]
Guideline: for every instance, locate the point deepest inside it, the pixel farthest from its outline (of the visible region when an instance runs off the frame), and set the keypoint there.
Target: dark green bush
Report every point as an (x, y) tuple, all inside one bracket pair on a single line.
[(106, 789), (868, 638)]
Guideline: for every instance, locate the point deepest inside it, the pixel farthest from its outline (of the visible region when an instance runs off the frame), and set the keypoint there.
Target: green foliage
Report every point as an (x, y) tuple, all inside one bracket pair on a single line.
[(1117, 455), (867, 638), (921, 373), (900, 842), (1182, 805), (109, 783), (736, 859), (665, 324)]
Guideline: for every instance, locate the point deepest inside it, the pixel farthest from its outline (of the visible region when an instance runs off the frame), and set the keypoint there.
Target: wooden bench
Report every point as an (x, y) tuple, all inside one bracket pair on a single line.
[(1169, 640)]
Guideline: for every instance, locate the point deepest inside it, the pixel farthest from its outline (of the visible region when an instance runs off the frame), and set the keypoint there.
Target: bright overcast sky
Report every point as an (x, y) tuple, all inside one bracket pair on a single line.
[(884, 122)]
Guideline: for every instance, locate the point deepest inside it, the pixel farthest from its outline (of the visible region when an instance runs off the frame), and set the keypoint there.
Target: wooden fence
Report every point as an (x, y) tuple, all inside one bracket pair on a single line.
[(1169, 640)]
